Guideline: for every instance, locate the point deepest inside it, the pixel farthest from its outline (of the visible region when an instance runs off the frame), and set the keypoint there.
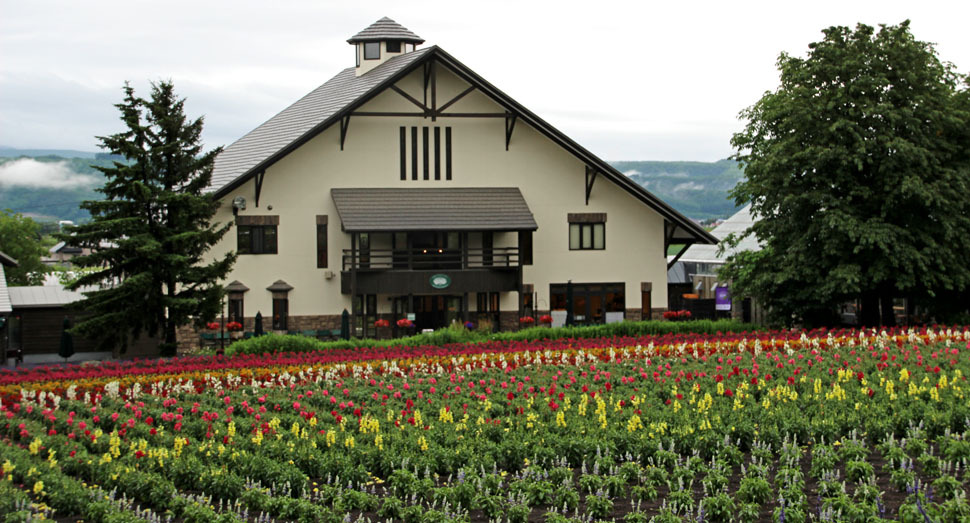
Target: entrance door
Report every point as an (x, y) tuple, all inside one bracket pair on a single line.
[(436, 312)]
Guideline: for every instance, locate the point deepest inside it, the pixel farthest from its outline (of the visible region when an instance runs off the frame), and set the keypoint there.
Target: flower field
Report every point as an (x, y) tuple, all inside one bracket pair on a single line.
[(774, 426)]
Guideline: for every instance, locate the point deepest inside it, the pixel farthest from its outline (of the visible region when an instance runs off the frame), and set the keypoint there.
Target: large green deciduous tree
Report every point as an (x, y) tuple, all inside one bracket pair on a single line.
[(20, 239), (857, 168), (152, 231)]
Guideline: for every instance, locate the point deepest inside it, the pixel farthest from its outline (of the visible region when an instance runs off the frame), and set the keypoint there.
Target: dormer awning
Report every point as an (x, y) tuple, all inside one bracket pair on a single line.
[(433, 209)]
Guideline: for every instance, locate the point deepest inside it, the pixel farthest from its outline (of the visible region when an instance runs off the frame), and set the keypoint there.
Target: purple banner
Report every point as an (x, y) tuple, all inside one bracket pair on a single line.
[(722, 299)]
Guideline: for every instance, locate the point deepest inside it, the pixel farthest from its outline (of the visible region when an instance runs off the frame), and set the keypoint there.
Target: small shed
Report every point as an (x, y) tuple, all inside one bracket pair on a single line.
[(37, 320)]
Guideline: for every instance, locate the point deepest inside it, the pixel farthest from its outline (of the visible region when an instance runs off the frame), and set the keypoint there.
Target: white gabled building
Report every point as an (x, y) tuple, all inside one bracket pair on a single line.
[(408, 184)]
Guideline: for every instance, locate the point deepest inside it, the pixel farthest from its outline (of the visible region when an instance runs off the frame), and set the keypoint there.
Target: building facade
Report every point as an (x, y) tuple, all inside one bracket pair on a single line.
[(409, 186)]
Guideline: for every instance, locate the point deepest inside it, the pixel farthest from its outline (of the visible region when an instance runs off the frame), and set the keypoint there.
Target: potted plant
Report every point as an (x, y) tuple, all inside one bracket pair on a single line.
[(545, 320), (526, 322), (235, 329), (681, 315)]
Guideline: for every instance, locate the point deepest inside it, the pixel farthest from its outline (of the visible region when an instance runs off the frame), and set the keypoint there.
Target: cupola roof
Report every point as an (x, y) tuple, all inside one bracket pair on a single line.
[(385, 29)]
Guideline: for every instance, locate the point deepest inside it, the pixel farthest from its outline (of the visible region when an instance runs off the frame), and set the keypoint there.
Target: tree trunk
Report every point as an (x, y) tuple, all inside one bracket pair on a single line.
[(869, 315), (888, 315)]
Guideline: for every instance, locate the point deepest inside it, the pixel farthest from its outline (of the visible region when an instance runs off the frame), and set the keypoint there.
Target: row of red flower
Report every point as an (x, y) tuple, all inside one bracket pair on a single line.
[(700, 343)]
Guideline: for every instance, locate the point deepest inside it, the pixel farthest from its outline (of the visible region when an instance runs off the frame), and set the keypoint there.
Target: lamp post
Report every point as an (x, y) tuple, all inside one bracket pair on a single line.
[(222, 330)]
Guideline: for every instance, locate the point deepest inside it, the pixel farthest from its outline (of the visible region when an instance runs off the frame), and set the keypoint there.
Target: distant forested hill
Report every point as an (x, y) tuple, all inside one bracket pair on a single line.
[(50, 187), (698, 190)]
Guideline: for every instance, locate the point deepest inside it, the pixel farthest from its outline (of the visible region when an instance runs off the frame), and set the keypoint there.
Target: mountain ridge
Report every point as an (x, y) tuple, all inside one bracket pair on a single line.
[(48, 186)]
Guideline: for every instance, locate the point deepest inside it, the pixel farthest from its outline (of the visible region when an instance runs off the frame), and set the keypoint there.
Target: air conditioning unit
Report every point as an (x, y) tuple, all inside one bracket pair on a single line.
[(328, 274)]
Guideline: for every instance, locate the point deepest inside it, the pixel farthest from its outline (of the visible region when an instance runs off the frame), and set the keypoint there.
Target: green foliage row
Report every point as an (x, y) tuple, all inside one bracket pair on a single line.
[(272, 343), (20, 239)]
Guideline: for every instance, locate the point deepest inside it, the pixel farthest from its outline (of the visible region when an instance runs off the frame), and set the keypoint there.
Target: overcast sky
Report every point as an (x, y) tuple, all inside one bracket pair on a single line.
[(637, 80)]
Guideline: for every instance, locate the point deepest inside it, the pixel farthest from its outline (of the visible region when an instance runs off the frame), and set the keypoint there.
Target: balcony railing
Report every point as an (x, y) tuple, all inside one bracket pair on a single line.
[(430, 259)]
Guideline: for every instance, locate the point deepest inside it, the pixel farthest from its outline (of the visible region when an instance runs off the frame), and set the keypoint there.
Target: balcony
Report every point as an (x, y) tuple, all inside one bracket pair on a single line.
[(409, 271)]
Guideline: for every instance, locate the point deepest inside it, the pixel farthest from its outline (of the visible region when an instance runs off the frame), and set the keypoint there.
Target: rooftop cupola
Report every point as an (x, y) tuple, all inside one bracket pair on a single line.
[(383, 40)]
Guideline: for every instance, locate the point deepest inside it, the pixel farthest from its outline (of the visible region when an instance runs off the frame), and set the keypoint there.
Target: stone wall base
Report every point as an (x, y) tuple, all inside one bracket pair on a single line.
[(189, 338)]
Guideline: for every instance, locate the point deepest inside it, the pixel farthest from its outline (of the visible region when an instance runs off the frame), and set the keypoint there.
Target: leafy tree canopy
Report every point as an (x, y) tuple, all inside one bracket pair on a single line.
[(152, 231), (20, 239), (858, 170)]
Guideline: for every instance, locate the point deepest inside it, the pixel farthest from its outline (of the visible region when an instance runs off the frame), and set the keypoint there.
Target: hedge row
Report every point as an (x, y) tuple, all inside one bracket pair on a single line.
[(271, 343)]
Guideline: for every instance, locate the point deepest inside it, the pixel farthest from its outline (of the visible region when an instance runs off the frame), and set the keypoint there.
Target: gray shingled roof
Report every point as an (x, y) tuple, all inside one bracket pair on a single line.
[(321, 108), (738, 223), (4, 294), (421, 209), (273, 137), (385, 29)]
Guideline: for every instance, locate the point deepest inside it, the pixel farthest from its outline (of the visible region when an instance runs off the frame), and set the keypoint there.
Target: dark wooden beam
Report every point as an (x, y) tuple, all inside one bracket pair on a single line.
[(434, 91), (439, 114), (427, 78), (386, 113), (259, 185), (472, 115), (591, 173), (671, 263), (344, 124), (457, 97), (409, 98), (509, 127)]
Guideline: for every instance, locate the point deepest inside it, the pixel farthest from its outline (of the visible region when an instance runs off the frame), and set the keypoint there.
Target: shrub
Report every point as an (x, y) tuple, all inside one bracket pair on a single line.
[(457, 333)]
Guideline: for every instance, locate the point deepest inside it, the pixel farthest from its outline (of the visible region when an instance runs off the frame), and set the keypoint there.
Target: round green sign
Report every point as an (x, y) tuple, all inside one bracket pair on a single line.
[(440, 281)]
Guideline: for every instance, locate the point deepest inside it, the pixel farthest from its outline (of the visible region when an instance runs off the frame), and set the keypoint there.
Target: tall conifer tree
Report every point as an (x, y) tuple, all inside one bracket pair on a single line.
[(152, 231)]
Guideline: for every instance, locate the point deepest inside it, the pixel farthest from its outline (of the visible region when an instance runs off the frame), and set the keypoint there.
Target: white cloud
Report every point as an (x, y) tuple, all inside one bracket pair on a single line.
[(27, 172), (689, 186)]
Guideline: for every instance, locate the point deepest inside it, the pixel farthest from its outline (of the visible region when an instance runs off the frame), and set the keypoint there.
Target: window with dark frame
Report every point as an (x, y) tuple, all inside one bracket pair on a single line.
[(372, 50), (425, 150), (393, 46), (591, 301), (447, 153), (528, 308), (646, 291), (525, 247), (256, 239), (587, 231), (424, 157), (587, 236), (322, 260), (281, 309), (236, 308), (404, 153), (645, 308), (365, 314)]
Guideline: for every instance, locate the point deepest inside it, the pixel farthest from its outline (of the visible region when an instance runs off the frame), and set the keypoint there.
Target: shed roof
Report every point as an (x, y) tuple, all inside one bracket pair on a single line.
[(38, 296), (426, 209), (385, 29), (5, 259), (737, 223), (63, 247)]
